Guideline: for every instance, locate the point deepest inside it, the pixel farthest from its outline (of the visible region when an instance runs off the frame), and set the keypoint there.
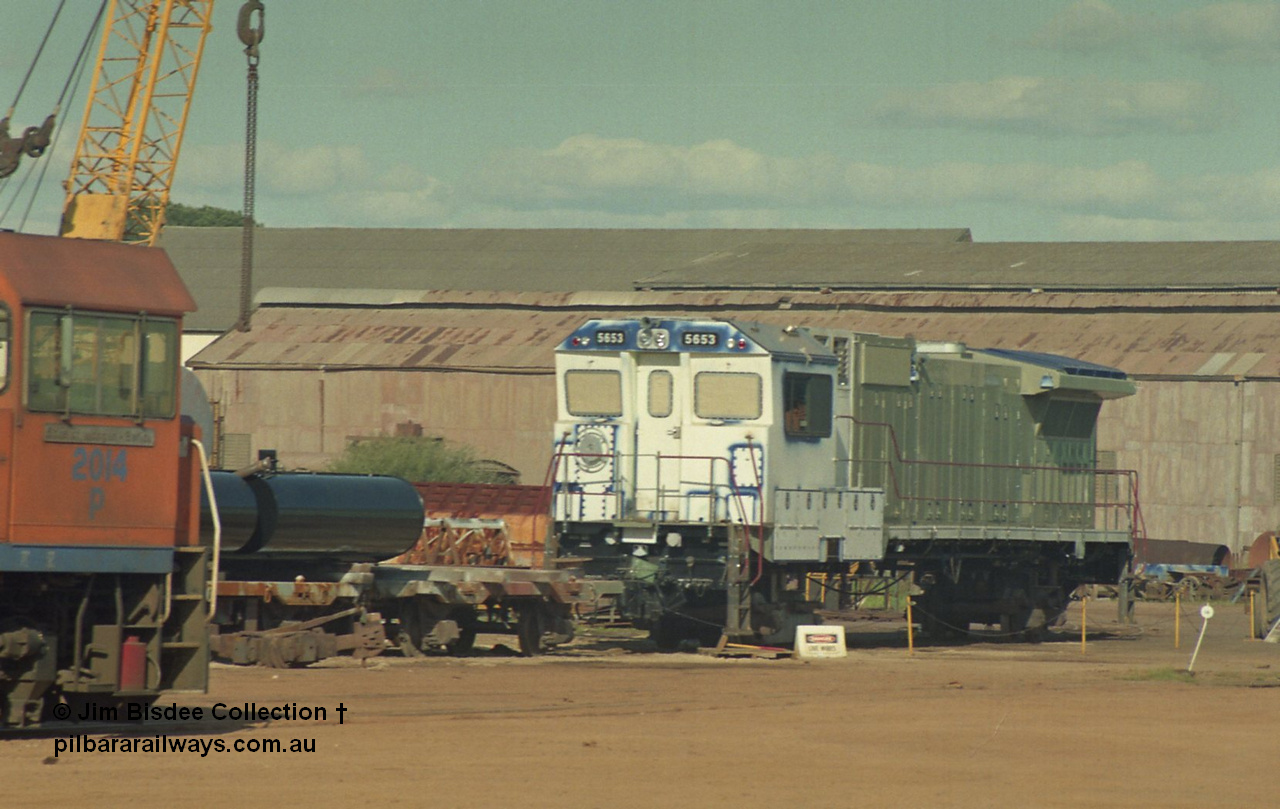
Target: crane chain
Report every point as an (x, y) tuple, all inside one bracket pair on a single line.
[(251, 37)]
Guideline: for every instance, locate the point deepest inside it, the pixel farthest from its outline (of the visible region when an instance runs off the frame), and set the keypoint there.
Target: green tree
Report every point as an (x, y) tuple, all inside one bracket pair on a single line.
[(416, 459), (206, 216)]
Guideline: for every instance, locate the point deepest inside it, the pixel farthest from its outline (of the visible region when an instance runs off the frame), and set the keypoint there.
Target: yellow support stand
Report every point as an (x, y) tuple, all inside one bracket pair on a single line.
[(1177, 620), (1084, 620), (911, 639)]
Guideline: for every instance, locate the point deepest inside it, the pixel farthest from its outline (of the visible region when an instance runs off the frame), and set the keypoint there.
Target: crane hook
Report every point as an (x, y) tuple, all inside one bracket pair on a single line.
[(32, 142), (250, 35)]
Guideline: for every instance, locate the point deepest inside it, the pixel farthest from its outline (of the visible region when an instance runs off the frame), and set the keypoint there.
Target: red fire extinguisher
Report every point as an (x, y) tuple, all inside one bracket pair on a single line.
[(133, 664)]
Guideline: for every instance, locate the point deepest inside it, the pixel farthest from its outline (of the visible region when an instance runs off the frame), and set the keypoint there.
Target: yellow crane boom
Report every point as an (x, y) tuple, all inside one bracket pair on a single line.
[(134, 119)]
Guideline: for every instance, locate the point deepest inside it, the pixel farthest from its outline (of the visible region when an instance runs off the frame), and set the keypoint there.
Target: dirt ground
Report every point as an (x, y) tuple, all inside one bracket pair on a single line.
[(608, 722)]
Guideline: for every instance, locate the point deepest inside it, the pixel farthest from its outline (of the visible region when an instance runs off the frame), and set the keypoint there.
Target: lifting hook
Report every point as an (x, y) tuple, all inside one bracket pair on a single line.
[(250, 35)]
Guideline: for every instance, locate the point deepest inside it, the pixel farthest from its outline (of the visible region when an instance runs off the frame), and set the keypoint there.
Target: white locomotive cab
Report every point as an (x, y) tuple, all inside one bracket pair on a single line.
[(670, 423)]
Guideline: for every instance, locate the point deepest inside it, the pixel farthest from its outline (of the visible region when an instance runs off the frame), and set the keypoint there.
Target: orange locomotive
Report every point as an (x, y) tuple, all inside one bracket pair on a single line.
[(102, 581)]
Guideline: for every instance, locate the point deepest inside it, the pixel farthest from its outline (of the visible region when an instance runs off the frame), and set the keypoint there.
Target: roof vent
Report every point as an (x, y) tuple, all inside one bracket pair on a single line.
[(935, 347)]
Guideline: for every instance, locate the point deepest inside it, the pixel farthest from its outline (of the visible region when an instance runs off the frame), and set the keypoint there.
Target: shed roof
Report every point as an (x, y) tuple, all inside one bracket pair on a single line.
[(209, 259), (1192, 335), (975, 265), (562, 260)]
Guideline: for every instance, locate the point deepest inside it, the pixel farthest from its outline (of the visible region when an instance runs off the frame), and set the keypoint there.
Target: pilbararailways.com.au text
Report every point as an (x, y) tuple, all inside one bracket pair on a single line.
[(168, 744), (143, 713)]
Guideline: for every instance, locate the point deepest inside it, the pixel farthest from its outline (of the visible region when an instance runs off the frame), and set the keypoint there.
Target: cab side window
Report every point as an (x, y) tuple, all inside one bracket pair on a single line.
[(102, 364), (806, 405)]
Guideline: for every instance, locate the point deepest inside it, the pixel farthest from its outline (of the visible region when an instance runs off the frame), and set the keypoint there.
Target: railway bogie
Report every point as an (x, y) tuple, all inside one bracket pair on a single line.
[(413, 609)]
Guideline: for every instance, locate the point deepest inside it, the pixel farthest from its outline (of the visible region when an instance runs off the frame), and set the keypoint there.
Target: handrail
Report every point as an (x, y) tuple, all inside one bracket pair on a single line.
[(760, 500), (217, 528), (549, 507), (1137, 527), (730, 485)]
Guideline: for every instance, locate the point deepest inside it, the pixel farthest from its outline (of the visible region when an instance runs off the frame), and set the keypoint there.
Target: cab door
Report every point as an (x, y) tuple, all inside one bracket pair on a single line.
[(658, 470)]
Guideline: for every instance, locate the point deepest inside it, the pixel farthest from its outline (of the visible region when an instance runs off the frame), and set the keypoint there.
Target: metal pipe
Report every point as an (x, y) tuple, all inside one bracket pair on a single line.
[(78, 638), (659, 500), (167, 602), (217, 528), (1237, 467), (759, 473), (119, 595)]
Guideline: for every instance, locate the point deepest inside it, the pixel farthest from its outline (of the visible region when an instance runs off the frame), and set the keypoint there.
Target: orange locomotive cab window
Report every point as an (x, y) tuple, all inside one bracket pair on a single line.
[(98, 364)]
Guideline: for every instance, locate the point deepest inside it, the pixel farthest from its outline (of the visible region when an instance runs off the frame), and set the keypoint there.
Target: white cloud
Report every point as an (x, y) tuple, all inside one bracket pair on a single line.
[(1091, 27), (1111, 228), (301, 171), (304, 170), (1220, 32), (1121, 187), (588, 167), (312, 169), (417, 207), (631, 176), (1052, 107), (210, 168), (340, 184), (386, 82), (591, 181), (1231, 32)]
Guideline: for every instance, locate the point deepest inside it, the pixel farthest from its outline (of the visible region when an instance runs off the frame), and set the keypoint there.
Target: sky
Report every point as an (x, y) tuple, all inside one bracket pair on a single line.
[(1053, 120)]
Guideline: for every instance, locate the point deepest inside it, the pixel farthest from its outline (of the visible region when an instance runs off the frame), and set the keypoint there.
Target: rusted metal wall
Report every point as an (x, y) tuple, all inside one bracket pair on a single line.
[(1205, 451), (310, 416)]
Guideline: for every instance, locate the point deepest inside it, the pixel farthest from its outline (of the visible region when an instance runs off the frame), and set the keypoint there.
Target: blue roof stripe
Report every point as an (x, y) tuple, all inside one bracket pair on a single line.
[(1066, 365)]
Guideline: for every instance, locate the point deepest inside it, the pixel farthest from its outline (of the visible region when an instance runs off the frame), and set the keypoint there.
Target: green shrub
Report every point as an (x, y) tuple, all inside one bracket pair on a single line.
[(419, 460)]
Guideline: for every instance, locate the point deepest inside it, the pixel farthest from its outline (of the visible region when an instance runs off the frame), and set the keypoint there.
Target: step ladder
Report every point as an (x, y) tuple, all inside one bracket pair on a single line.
[(738, 578)]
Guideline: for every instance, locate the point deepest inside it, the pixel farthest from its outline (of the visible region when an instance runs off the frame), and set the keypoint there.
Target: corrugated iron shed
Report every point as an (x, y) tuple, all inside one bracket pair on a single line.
[(1167, 335), (491, 259), (976, 265)]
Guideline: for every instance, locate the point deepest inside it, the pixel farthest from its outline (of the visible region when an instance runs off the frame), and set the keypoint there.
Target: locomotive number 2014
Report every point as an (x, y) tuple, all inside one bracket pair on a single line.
[(99, 464)]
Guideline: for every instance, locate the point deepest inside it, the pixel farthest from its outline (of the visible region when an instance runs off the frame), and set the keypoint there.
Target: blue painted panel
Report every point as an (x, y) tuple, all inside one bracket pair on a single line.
[(1055, 362), (1167, 572), (699, 337), (61, 559)]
